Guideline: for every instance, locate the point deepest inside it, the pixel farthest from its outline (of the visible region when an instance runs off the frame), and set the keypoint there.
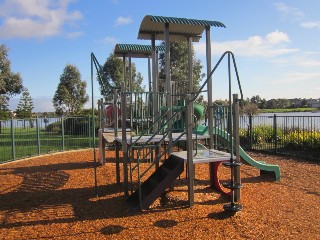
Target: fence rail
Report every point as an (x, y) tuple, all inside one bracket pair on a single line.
[(290, 135), (20, 138)]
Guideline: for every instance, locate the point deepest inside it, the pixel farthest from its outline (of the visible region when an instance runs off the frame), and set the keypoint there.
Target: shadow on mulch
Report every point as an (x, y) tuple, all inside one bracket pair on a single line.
[(165, 223), (112, 229), (51, 167), (221, 215), (83, 205)]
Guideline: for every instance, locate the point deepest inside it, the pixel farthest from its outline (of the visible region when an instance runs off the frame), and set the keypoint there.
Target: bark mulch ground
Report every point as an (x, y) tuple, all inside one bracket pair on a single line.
[(53, 196)]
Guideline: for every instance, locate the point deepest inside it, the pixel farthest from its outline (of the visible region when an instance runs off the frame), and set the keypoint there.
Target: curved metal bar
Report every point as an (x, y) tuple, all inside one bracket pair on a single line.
[(214, 69)]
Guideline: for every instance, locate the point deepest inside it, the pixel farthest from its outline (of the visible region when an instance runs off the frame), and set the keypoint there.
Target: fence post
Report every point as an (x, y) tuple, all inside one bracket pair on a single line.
[(250, 131), (275, 132), (62, 132), (89, 131), (38, 134), (13, 153)]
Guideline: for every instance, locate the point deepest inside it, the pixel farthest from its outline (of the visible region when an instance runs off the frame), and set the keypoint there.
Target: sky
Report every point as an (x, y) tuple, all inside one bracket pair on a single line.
[(275, 43)]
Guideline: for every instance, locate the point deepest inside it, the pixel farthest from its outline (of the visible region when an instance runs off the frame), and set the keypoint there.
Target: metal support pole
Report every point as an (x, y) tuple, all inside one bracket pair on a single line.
[(124, 139), (130, 90), (210, 98), (155, 106), (236, 145), (93, 131), (190, 165), (149, 75), (115, 112), (190, 70), (209, 87), (124, 71), (168, 83)]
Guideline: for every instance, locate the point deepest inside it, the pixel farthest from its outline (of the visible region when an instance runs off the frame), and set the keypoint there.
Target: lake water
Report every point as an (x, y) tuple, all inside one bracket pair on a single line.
[(310, 120), (20, 123), (301, 120), (293, 114)]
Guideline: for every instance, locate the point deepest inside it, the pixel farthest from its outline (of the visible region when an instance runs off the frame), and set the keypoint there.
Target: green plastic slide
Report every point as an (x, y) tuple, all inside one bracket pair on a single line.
[(264, 167), (198, 110)]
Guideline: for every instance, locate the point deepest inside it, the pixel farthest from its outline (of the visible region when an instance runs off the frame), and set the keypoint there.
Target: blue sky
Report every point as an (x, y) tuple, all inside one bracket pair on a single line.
[(276, 43)]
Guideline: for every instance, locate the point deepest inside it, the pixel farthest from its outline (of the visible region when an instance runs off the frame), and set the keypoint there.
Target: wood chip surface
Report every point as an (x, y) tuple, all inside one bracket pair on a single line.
[(54, 197)]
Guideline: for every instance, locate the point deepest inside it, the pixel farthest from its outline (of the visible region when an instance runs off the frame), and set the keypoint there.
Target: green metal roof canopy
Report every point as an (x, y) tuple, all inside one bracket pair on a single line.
[(179, 28), (135, 50)]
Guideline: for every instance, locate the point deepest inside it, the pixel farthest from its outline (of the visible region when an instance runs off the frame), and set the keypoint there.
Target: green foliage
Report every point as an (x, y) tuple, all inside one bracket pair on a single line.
[(250, 109), (10, 83), (113, 74), (298, 139), (281, 110), (289, 139), (179, 66), (4, 111), (70, 95), (25, 105), (73, 126)]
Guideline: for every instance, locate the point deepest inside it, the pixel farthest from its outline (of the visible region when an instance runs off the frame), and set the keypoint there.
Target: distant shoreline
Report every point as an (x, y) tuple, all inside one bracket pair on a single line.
[(287, 110)]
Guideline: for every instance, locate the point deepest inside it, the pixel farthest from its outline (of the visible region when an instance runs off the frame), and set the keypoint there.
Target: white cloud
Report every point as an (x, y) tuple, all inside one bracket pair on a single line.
[(123, 20), (301, 59), (296, 15), (300, 77), (35, 18), (311, 24), (73, 35), (277, 37), (288, 12), (109, 40), (310, 63), (271, 45)]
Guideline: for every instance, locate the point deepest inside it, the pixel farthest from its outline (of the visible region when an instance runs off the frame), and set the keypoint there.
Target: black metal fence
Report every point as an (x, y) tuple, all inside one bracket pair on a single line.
[(20, 138), (290, 135)]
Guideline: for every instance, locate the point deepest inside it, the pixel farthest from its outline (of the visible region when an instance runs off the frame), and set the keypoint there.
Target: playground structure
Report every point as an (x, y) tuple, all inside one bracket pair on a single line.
[(153, 123)]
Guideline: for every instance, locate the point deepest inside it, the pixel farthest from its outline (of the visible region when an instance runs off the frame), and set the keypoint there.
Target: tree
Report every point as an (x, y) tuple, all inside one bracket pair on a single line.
[(4, 111), (10, 84), (25, 105), (70, 95), (113, 74), (250, 109), (179, 66)]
